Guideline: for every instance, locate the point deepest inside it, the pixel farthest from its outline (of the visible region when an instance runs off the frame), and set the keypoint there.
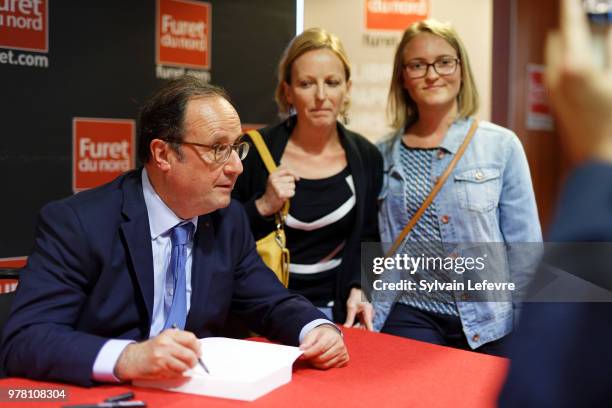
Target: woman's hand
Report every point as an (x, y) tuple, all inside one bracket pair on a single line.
[(280, 187), (357, 306)]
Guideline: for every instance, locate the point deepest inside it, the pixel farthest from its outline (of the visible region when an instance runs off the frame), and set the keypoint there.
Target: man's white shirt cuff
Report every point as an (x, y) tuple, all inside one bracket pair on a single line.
[(104, 366), (316, 323)]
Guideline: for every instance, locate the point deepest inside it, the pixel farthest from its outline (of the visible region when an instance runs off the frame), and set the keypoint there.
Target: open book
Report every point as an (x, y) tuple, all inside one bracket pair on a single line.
[(238, 369)]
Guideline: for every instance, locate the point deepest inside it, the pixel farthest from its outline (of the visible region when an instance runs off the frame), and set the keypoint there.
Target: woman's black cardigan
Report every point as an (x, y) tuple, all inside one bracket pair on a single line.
[(365, 165)]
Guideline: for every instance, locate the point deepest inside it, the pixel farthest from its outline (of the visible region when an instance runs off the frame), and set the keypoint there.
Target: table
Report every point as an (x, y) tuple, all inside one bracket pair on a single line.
[(384, 371)]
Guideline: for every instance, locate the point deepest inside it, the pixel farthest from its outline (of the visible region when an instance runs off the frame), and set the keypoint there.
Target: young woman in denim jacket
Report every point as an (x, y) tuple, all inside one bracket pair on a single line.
[(488, 198)]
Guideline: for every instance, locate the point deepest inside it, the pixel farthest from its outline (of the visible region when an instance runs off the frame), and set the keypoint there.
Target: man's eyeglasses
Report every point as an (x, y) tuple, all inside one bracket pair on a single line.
[(219, 152), (443, 66)]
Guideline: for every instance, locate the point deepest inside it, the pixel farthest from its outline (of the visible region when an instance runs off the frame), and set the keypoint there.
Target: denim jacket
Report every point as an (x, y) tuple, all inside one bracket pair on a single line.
[(488, 198)]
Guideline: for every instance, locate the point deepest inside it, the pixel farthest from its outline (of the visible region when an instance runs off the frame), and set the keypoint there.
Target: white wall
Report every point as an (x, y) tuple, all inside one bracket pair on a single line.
[(371, 53)]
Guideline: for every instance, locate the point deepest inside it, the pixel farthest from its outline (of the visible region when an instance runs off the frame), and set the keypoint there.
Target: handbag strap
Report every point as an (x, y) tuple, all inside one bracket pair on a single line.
[(434, 191), (268, 161)]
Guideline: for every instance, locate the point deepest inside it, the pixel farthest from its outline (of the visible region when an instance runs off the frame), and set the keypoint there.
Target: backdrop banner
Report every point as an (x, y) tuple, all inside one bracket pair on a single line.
[(75, 73)]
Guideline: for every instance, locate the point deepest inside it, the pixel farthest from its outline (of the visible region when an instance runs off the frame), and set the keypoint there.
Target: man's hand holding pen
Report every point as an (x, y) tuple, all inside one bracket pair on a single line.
[(167, 355), (200, 361)]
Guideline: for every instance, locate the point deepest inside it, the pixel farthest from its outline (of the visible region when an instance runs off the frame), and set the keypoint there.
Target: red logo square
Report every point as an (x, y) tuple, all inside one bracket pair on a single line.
[(24, 25), (102, 149), (183, 31), (395, 15)]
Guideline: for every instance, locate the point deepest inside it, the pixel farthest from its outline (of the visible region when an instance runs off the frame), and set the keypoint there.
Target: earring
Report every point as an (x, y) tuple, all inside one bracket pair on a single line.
[(345, 109), (345, 117)]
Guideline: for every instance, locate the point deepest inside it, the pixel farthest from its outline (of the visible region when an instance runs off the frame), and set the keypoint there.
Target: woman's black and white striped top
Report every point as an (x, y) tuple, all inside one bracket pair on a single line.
[(320, 219)]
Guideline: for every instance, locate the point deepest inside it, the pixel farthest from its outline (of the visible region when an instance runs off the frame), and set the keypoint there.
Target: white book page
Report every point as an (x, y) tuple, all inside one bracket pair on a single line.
[(242, 360)]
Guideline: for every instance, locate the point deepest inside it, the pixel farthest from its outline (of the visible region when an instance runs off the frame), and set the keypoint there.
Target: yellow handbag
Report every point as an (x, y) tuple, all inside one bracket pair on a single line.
[(273, 247)]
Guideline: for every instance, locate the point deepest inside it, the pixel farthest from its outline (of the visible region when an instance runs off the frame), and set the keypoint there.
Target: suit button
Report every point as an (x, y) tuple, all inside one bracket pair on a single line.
[(441, 154), (479, 176), (465, 296), (445, 218), (476, 337)]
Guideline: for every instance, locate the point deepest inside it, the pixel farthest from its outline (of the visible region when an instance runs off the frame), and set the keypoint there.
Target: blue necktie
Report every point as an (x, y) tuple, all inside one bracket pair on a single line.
[(175, 298)]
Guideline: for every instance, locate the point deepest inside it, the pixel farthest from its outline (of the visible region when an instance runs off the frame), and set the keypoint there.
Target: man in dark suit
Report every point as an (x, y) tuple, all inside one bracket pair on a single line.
[(124, 278), (562, 353)]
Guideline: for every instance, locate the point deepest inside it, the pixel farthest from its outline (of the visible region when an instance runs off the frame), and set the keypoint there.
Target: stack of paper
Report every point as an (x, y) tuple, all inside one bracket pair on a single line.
[(238, 369)]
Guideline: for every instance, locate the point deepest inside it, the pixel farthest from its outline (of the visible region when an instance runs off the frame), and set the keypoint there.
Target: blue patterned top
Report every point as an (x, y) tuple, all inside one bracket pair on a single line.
[(425, 238)]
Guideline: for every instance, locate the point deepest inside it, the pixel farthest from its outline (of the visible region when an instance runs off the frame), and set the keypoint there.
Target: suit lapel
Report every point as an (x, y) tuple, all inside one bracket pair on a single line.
[(136, 233)]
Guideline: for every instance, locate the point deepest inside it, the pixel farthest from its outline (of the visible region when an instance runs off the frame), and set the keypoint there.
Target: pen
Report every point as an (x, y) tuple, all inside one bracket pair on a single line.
[(200, 361), (203, 365), (120, 397), (116, 404)]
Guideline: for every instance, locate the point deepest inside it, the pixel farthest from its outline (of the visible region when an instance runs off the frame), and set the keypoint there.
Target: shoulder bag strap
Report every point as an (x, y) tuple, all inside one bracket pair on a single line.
[(268, 161), (434, 191)]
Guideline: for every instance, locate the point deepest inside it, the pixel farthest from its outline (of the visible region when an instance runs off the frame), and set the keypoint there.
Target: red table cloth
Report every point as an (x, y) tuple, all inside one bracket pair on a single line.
[(384, 371)]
